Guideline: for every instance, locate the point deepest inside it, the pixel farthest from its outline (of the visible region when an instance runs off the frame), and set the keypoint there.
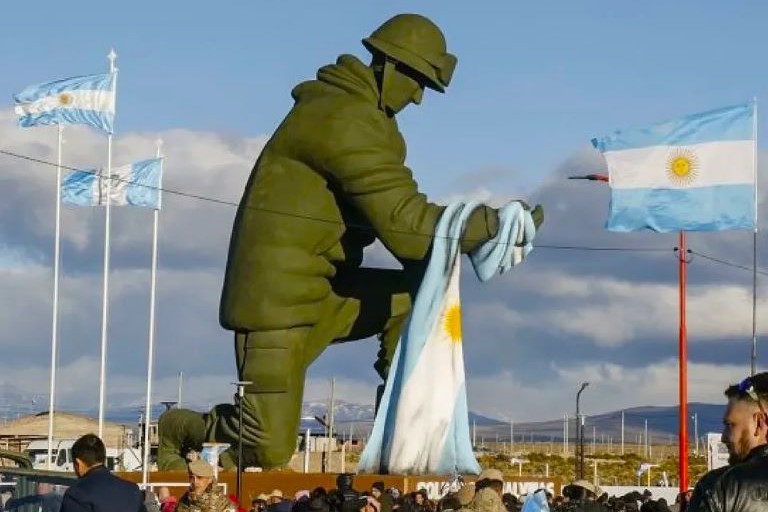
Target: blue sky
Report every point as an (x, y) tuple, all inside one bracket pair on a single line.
[(535, 81)]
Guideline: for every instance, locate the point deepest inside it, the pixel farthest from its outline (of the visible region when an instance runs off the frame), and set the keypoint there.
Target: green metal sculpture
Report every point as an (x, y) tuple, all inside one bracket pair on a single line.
[(330, 181)]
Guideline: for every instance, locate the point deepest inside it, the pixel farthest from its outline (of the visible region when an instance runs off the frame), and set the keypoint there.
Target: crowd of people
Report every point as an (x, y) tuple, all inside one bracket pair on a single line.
[(741, 486), (485, 495)]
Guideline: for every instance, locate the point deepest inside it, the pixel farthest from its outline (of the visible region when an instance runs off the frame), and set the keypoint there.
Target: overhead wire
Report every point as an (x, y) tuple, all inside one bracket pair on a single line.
[(224, 202)]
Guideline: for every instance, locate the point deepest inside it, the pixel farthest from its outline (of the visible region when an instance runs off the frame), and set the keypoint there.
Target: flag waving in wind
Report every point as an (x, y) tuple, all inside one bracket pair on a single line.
[(695, 173), (86, 100), (137, 184)]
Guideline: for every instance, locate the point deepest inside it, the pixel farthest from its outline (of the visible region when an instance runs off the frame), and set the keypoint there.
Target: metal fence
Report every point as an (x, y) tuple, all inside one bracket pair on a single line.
[(29, 490)]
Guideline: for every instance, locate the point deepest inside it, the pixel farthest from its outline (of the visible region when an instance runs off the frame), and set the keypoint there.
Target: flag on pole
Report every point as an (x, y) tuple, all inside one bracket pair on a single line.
[(137, 184), (645, 466), (695, 173), (86, 100)]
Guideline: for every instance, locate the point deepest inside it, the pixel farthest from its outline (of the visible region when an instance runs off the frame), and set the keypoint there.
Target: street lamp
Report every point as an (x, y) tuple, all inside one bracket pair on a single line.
[(241, 384), (580, 434), (169, 404)]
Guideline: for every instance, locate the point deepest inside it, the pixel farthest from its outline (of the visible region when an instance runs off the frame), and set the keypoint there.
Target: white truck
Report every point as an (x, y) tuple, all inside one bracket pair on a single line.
[(127, 459)]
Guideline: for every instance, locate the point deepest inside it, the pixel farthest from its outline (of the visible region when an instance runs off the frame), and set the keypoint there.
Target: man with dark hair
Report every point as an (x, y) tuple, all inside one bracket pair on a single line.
[(582, 497), (741, 486), (97, 489)]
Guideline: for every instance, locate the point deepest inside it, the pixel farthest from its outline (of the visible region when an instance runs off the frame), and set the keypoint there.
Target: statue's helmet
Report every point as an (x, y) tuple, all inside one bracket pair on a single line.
[(417, 43)]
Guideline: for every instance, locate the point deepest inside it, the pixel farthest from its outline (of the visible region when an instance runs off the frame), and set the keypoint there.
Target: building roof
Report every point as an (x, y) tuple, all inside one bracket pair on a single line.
[(65, 426)]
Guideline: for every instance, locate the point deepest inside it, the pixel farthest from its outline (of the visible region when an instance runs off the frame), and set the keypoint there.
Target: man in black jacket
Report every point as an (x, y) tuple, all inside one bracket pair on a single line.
[(97, 489), (743, 485)]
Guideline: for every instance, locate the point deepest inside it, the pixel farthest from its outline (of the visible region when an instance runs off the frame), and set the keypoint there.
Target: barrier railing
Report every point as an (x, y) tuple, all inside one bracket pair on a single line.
[(30, 488)]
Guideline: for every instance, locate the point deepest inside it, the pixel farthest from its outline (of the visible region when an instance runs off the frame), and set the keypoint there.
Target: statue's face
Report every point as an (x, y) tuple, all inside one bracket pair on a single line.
[(401, 88)]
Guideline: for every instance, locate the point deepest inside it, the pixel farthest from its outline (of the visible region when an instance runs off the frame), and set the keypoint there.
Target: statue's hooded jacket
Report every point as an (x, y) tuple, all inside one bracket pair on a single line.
[(329, 182)]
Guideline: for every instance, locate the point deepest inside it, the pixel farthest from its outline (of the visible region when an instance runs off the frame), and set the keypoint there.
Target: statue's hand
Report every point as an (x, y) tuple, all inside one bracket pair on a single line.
[(538, 216), (537, 213)]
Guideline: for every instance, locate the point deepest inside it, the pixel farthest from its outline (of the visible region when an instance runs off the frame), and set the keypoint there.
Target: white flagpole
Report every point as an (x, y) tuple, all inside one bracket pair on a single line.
[(105, 300), (55, 322), (151, 349), (754, 243)]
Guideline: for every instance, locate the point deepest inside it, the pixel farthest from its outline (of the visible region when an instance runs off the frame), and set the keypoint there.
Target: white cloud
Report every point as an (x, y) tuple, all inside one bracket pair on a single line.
[(612, 387), (613, 312)]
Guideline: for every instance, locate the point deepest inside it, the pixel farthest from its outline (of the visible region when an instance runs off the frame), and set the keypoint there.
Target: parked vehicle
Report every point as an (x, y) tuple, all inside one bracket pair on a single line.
[(127, 459)]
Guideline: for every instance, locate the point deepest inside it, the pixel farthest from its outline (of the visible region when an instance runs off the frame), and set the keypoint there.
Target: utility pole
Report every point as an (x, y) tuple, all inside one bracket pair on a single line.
[(696, 432), (646, 438), (580, 434), (331, 405), (565, 435), (622, 432), (181, 381), (511, 436), (594, 438)]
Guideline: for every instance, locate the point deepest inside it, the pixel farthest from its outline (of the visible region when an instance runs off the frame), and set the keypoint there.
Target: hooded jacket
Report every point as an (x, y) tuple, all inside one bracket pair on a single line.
[(331, 180)]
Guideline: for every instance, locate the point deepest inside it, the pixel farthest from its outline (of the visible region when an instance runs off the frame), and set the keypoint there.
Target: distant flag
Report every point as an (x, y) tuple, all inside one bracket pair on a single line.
[(645, 466), (88, 100), (695, 173), (137, 184)]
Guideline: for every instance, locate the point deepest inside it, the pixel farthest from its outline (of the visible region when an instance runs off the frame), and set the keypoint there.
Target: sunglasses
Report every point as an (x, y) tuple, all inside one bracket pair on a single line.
[(747, 388)]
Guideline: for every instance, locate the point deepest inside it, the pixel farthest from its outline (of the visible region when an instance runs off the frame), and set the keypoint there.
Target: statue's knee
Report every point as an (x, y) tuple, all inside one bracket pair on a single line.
[(179, 431), (181, 426)]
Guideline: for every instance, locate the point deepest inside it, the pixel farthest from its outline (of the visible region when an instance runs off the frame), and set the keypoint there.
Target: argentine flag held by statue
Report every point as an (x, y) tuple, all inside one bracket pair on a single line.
[(88, 100), (694, 173)]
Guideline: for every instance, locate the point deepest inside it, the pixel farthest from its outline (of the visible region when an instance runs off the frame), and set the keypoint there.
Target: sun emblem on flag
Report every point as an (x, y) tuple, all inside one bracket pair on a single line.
[(452, 322), (682, 167), (65, 99)]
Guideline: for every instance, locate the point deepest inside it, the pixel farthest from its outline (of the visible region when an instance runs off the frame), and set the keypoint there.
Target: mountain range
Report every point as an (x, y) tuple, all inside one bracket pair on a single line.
[(357, 419)]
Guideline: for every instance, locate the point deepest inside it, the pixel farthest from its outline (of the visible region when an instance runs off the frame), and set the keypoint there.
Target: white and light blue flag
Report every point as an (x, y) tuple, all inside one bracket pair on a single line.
[(137, 184), (695, 173), (86, 100), (422, 424)]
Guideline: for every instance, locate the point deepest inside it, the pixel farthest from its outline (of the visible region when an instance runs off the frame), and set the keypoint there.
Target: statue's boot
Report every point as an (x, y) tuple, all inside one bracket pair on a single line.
[(180, 431)]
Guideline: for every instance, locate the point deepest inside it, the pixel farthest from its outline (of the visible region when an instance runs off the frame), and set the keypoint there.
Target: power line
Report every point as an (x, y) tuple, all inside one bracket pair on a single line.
[(359, 226), (724, 262), (614, 249), (306, 217)]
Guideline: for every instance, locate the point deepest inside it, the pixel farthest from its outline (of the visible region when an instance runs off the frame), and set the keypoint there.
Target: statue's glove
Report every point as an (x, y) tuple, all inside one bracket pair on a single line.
[(537, 214)]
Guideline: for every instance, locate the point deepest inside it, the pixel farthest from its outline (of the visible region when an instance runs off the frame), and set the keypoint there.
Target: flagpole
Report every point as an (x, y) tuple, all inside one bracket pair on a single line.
[(105, 300), (683, 370), (55, 321), (151, 349), (753, 358)]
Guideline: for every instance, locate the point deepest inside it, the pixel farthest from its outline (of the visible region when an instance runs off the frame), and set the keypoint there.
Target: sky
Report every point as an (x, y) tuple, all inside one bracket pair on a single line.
[(534, 83)]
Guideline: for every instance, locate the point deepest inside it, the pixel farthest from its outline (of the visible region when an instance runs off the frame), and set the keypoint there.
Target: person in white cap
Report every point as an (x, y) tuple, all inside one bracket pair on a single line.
[(203, 494)]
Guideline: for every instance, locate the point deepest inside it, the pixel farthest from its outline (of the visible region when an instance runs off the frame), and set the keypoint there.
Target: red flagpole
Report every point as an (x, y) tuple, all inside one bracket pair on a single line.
[(683, 371)]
